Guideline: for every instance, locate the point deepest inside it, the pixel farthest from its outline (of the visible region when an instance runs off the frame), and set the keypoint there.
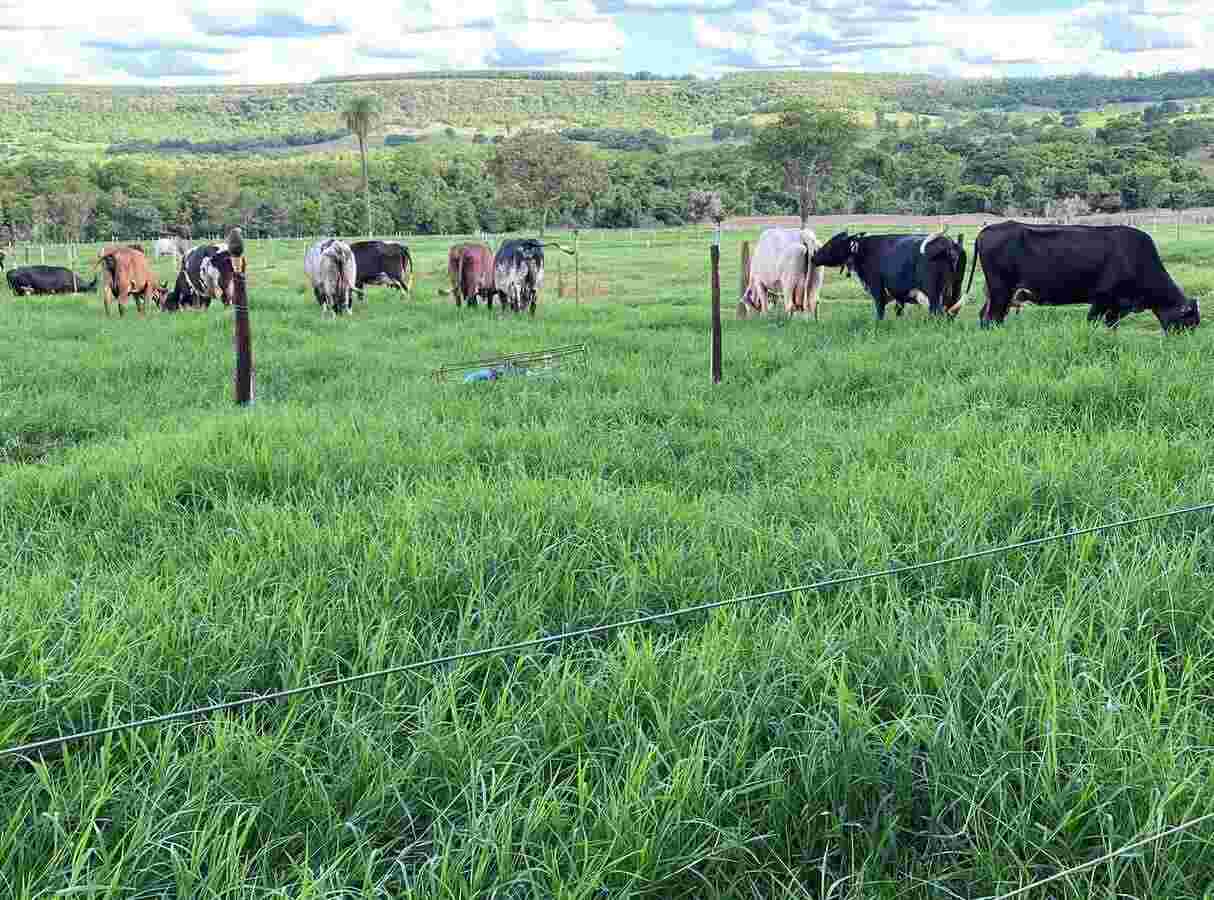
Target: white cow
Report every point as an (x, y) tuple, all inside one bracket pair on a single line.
[(167, 246), (781, 261), (333, 272)]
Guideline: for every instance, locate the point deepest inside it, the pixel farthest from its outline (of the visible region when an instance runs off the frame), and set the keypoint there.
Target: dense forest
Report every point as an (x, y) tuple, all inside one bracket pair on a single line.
[(936, 159), (990, 162)]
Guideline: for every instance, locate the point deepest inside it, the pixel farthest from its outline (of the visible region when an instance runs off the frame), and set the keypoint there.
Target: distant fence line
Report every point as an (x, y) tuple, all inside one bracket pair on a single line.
[(35, 253)]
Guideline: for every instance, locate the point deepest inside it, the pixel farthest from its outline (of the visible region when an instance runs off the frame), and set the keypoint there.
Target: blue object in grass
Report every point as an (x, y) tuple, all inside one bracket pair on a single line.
[(481, 375)]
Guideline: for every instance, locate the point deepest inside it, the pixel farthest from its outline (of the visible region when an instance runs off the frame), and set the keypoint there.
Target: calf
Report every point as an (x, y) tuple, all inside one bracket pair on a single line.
[(333, 271), (904, 268), (518, 273), (39, 280), (470, 268), (127, 274), (385, 263)]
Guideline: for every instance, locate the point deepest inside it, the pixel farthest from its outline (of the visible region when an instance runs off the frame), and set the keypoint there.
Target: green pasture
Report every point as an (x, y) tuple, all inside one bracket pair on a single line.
[(956, 733)]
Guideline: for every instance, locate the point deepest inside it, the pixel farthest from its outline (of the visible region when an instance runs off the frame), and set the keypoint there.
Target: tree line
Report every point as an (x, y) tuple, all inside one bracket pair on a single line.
[(811, 160)]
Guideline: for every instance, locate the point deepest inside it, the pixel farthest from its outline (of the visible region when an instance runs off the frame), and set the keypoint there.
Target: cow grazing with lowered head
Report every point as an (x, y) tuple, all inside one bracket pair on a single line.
[(1114, 268), (333, 271), (903, 268), (207, 273), (518, 273), (41, 280), (125, 274), (470, 268), (782, 262), (382, 262)]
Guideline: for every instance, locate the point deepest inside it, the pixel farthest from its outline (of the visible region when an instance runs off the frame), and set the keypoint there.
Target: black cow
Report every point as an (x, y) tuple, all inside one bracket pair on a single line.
[(206, 273), (382, 262), (518, 273), (904, 268), (36, 280), (1115, 268)]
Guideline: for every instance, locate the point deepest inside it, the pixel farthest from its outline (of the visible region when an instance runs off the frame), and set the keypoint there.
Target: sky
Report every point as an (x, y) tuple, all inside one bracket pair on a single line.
[(275, 41)]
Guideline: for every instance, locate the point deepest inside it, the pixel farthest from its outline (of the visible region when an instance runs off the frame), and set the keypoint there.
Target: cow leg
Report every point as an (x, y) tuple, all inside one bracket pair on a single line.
[(998, 300), (879, 309), (1094, 312)]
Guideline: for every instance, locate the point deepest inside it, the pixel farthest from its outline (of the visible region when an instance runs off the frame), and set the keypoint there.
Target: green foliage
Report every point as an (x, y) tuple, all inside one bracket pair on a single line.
[(620, 138), (808, 144), (540, 171), (249, 145)]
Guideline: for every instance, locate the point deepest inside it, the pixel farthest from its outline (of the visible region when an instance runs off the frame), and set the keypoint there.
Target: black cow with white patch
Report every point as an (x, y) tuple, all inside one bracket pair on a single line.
[(41, 280), (206, 274), (385, 263), (903, 268), (518, 273), (1114, 268)]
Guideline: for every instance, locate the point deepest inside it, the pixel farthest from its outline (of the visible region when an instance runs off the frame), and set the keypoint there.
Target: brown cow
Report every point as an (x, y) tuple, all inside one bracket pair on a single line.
[(127, 274), (470, 267)]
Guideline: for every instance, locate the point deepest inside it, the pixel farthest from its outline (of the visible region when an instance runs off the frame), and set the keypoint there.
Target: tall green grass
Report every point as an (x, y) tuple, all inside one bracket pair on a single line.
[(956, 732)]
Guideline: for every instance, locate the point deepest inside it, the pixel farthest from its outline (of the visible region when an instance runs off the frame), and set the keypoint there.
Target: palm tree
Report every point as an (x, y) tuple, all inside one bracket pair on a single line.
[(359, 115)]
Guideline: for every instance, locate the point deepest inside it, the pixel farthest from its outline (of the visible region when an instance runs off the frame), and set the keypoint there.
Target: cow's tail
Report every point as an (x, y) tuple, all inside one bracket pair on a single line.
[(458, 287), (973, 268)]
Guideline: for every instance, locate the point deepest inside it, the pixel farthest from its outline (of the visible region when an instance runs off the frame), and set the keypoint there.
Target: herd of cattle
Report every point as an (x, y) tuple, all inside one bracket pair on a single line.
[(1114, 268)]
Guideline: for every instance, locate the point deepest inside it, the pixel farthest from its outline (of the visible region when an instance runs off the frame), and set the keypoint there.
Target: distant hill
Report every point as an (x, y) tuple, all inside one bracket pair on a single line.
[(89, 120)]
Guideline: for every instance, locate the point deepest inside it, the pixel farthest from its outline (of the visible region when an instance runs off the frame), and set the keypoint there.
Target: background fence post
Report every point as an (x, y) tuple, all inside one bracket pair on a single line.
[(744, 279), (577, 271)]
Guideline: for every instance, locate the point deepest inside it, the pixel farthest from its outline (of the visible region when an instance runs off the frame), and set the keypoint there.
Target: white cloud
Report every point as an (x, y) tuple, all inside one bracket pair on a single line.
[(297, 40)]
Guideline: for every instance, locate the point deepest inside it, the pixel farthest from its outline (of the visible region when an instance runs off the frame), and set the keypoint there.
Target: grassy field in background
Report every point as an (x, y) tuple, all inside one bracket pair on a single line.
[(957, 732)]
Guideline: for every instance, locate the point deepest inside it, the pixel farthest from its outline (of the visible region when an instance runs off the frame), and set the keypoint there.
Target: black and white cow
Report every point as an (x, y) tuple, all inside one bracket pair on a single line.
[(1114, 268), (518, 273), (206, 274), (38, 280), (903, 268), (386, 263)]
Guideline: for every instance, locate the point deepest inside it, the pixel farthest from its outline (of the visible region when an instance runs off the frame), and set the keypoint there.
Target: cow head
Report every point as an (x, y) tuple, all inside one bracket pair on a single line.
[(1180, 318), (224, 267), (840, 251)]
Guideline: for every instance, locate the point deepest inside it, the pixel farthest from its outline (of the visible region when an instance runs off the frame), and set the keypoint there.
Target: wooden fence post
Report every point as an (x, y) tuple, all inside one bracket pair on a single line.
[(577, 271), (241, 337), (715, 358)]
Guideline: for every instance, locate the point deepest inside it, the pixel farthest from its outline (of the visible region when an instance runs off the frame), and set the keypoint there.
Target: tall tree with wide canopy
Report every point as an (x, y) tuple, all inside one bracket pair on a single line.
[(360, 115), (808, 143), (541, 172)]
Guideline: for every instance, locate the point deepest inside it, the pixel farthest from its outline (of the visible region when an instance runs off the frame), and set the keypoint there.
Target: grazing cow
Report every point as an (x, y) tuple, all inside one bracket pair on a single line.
[(127, 274), (782, 262), (904, 268), (38, 280), (518, 273), (333, 271), (1114, 268), (470, 268), (382, 262), (206, 273)]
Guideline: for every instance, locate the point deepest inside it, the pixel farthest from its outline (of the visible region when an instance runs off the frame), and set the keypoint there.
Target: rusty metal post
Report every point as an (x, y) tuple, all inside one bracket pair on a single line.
[(242, 338), (715, 359)]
